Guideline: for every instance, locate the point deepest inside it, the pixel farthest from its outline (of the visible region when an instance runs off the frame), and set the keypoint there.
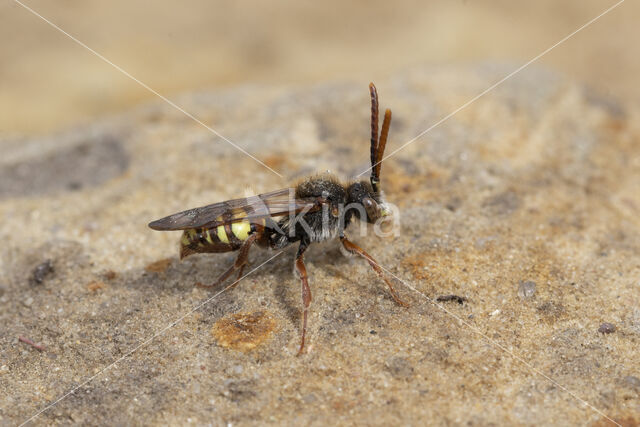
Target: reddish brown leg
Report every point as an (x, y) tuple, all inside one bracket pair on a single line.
[(355, 249), (306, 291), (239, 263), (241, 271)]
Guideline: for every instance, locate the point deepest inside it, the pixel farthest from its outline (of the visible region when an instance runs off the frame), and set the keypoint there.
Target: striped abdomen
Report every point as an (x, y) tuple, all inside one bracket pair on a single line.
[(224, 238)]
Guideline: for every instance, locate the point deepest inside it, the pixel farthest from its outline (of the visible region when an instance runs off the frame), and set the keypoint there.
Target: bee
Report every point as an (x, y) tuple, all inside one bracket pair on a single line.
[(318, 209)]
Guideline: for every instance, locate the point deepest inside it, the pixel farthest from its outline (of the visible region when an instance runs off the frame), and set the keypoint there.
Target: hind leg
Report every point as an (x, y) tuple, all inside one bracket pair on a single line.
[(306, 291), (240, 262)]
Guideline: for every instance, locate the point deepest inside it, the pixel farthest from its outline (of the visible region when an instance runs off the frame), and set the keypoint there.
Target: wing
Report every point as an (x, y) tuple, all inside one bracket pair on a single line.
[(254, 208)]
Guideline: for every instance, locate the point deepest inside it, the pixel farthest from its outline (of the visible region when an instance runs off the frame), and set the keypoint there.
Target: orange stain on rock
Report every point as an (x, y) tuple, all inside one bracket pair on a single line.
[(95, 286), (110, 275), (158, 266), (243, 331)]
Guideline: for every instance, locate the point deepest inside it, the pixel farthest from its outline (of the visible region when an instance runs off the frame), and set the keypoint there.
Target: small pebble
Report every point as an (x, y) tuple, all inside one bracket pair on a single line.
[(309, 398), (526, 289), (27, 302), (607, 328), (41, 271), (399, 367), (629, 380)]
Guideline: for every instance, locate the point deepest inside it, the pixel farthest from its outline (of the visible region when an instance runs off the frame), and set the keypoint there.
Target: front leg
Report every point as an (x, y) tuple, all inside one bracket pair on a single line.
[(306, 291), (355, 249)]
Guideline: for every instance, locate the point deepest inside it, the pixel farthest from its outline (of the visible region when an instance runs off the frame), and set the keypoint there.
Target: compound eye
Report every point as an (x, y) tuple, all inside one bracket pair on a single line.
[(371, 207)]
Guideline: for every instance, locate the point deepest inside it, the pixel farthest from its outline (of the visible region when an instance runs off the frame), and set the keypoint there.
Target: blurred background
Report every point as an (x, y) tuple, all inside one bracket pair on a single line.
[(49, 83)]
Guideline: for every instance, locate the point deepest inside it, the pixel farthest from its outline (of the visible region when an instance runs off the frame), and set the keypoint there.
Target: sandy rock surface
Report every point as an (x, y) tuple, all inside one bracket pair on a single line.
[(526, 203)]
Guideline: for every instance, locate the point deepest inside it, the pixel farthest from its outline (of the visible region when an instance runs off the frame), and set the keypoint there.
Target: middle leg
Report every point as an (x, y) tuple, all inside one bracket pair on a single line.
[(306, 291)]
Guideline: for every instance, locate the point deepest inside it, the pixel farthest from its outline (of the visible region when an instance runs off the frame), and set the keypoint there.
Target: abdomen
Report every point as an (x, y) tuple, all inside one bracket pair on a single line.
[(224, 238)]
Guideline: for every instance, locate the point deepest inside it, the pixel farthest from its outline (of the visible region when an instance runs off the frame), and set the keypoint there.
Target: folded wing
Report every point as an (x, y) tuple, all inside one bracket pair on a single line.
[(255, 208)]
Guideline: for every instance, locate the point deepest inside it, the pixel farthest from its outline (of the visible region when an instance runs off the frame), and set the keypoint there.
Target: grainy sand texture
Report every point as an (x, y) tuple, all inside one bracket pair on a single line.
[(526, 204)]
